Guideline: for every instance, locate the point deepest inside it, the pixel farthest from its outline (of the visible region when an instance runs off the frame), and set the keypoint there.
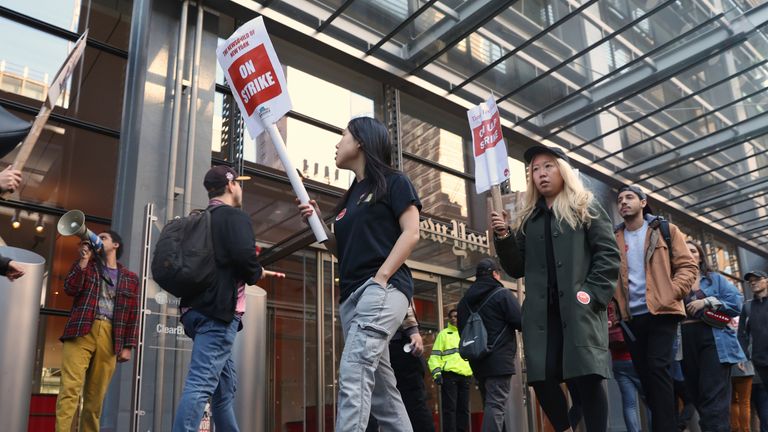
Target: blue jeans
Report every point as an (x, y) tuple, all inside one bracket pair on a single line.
[(367, 385), (211, 374), (629, 385)]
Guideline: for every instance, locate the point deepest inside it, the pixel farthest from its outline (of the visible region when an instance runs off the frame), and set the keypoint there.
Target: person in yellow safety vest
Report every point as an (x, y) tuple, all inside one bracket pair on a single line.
[(453, 374)]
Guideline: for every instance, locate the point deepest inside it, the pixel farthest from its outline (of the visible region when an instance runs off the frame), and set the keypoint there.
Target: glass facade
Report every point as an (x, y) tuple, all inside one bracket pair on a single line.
[(573, 73)]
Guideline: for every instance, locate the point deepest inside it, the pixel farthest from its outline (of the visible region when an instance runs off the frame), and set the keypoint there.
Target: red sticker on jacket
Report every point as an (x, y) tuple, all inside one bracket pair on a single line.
[(341, 214), (583, 297)]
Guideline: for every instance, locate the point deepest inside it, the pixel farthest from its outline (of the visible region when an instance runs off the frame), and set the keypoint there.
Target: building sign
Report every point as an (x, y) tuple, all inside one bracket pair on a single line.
[(456, 234)]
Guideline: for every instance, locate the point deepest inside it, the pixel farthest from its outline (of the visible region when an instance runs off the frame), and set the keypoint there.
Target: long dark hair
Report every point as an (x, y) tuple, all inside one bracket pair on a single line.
[(374, 140), (704, 268)]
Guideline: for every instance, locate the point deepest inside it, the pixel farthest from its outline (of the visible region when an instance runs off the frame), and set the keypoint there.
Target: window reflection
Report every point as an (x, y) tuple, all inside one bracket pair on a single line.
[(47, 374), (441, 194), (73, 170), (325, 101), (274, 217), (94, 93), (108, 21), (311, 150), (29, 64)]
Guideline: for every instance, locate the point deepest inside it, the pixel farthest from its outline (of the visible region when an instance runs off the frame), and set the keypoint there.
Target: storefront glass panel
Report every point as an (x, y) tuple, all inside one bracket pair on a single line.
[(70, 168)]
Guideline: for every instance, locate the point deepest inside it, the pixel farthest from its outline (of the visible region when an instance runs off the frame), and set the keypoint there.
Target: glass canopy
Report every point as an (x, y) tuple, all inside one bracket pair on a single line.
[(668, 94)]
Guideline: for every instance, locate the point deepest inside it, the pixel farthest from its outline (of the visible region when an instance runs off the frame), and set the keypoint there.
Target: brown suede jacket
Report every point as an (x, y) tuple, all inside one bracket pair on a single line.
[(667, 283)]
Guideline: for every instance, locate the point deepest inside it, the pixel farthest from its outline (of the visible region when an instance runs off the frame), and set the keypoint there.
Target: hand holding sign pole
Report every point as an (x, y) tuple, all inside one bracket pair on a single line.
[(491, 165), (256, 78)]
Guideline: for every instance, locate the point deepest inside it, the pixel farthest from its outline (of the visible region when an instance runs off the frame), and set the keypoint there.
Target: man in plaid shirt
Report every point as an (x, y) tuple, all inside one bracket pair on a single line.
[(101, 330)]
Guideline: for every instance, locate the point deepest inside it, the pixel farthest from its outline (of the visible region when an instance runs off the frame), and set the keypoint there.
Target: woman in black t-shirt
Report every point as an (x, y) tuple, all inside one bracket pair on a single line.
[(375, 229)]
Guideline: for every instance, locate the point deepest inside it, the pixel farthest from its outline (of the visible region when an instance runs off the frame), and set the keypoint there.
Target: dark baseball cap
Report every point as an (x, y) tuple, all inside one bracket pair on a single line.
[(755, 274), (486, 267), (220, 176), (538, 149), (635, 189)]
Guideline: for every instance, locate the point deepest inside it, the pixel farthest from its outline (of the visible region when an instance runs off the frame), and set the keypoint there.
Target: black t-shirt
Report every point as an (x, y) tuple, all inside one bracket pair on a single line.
[(366, 231)]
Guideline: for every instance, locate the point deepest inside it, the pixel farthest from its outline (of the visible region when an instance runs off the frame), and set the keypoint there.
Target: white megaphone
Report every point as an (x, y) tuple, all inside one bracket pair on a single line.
[(73, 223)]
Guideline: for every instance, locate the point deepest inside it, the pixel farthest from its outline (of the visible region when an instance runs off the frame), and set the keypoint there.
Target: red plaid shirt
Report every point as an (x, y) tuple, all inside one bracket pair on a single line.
[(84, 285)]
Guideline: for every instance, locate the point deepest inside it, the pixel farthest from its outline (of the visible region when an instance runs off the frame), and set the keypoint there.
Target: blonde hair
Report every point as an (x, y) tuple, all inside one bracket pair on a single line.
[(571, 205)]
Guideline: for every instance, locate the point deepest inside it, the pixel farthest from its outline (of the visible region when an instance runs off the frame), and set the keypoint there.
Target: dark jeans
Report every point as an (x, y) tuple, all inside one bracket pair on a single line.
[(652, 356), (760, 404), (708, 381), (409, 373), (455, 393)]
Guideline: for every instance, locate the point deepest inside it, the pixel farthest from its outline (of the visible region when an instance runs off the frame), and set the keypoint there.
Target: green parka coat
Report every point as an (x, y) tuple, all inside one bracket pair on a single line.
[(587, 266)]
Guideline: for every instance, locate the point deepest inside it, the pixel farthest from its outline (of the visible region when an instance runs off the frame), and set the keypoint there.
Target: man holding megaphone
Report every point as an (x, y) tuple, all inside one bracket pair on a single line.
[(102, 328)]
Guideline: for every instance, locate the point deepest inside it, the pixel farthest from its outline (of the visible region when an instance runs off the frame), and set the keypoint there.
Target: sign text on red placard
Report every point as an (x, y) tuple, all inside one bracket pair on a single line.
[(254, 78)]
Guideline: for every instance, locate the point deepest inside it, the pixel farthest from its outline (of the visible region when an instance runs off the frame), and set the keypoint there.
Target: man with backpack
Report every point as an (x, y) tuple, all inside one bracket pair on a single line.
[(657, 271), (488, 316), (212, 317)]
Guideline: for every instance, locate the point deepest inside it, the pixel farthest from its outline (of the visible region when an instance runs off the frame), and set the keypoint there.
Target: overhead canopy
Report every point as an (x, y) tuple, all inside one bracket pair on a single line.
[(668, 94)]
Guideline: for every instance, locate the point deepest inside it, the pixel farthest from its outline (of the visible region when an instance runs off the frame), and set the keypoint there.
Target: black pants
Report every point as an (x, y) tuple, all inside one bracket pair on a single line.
[(409, 373), (686, 414), (652, 356), (589, 393), (455, 393), (707, 380)]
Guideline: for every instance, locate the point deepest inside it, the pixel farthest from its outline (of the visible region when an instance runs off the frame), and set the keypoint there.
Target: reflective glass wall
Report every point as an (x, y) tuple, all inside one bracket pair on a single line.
[(73, 163)]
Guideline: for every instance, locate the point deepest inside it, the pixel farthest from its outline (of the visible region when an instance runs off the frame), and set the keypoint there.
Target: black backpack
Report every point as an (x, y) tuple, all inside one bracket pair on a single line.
[(473, 344), (184, 263)]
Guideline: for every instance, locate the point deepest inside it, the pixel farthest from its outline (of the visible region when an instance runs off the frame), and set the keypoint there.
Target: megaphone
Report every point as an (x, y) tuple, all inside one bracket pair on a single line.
[(73, 223)]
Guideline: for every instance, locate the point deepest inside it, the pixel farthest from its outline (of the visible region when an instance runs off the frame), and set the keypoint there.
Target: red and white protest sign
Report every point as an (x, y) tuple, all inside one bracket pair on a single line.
[(256, 79), (255, 76), (491, 165)]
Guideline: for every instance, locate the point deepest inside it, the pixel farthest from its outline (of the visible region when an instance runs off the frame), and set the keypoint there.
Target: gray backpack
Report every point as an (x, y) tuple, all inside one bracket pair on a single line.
[(473, 344)]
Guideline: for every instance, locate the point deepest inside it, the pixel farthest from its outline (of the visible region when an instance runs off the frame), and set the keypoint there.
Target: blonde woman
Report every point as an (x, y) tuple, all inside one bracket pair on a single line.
[(562, 242)]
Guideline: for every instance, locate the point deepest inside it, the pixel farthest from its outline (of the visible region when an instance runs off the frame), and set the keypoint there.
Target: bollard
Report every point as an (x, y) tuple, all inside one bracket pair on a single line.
[(250, 357), (20, 312)]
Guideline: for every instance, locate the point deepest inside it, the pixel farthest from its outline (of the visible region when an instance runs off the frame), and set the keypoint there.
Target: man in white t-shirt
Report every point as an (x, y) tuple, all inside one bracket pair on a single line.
[(656, 272)]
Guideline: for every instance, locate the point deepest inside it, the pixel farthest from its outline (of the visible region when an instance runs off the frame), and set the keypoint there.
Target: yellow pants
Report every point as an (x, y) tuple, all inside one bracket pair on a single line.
[(88, 363)]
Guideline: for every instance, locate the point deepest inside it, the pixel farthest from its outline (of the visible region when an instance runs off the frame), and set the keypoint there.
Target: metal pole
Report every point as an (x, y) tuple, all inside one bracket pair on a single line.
[(20, 312), (136, 411), (177, 99), (250, 357), (320, 327), (193, 109)]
